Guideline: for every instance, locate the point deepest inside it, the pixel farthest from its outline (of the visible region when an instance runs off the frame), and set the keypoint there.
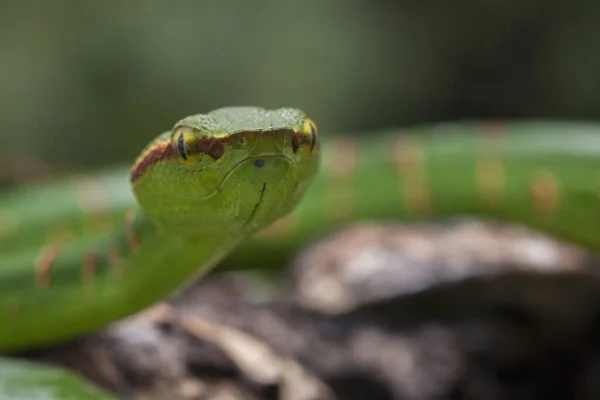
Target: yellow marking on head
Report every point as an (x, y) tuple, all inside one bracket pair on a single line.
[(340, 171), (13, 307), (545, 191), (186, 139), (409, 160), (132, 239), (490, 180), (115, 261), (43, 264), (311, 133)]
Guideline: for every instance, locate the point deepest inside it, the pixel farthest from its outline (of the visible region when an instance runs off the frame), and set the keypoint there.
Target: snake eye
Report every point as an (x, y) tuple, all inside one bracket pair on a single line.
[(184, 142), (311, 132)]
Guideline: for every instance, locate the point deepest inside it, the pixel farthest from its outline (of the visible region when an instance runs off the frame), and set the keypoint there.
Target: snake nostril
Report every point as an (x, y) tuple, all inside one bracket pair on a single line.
[(259, 163)]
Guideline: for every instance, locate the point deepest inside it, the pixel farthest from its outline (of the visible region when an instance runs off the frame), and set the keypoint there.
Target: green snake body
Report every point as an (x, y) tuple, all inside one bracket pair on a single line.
[(542, 174), (203, 187), (83, 252)]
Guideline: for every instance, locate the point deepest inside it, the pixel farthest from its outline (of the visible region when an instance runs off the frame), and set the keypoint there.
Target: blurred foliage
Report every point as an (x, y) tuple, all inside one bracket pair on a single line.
[(86, 83)]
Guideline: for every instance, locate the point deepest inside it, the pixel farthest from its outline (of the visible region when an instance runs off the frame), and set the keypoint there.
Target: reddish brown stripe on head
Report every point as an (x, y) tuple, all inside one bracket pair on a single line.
[(156, 153), (212, 146)]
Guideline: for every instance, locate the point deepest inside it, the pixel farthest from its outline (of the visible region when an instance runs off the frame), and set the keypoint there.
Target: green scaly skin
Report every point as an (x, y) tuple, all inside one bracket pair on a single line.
[(202, 187), (541, 174)]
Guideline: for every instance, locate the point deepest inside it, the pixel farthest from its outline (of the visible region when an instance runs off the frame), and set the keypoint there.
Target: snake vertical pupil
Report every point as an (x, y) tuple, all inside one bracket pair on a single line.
[(313, 137), (259, 163), (181, 147)]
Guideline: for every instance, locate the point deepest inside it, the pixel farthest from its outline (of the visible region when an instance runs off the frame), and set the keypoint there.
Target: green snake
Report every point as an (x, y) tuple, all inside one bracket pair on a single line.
[(246, 185)]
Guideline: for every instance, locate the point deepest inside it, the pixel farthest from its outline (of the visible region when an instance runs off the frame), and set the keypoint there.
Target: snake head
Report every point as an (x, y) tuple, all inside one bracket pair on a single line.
[(232, 169)]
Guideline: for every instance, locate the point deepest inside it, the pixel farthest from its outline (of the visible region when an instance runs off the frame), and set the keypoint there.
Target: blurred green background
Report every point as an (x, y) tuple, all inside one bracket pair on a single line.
[(87, 83)]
